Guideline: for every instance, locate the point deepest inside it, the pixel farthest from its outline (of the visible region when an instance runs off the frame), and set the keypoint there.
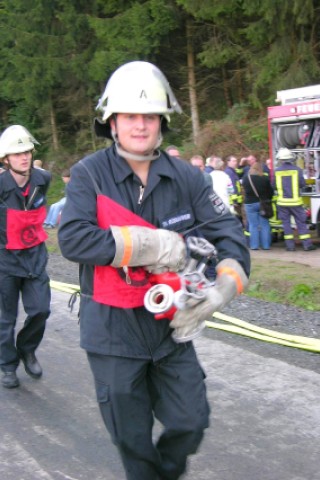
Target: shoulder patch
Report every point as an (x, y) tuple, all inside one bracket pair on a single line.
[(219, 207)]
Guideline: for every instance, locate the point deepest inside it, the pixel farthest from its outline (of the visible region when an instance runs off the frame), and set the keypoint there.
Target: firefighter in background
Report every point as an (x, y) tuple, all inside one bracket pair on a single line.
[(288, 181), (23, 254), (125, 208), (236, 198), (247, 162)]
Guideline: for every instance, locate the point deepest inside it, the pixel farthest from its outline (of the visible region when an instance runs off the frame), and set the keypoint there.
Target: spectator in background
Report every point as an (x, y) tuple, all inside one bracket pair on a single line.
[(235, 198), (259, 227), (247, 162), (56, 208), (210, 164), (198, 162), (37, 164), (222, 183), (268, 163), (173, 151)]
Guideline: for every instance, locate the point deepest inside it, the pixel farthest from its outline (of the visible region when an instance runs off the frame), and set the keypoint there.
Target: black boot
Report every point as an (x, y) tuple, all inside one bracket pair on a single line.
[(10, 380), (309, 248), (31, 364)]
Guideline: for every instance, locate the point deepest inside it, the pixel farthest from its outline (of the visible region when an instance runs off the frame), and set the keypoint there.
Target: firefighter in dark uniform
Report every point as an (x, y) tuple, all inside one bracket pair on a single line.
[(124, 208), (23, 254), (288, 182)]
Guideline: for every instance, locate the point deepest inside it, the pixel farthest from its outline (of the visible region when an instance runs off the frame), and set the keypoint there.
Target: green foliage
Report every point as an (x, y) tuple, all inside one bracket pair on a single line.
[(145, 22), (56, 190), (56, 57)]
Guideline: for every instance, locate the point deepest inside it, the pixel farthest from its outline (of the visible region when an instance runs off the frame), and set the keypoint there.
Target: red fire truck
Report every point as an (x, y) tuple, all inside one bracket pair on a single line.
[(295, 124)]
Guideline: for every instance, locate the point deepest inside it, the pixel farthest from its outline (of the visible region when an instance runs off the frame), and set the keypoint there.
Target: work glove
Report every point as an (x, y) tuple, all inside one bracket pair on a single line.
[(190, 321), (157, 250)]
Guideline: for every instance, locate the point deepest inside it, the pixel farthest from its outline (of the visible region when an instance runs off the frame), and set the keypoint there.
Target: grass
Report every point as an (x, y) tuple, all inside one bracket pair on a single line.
[(270, 280), (285, 283)]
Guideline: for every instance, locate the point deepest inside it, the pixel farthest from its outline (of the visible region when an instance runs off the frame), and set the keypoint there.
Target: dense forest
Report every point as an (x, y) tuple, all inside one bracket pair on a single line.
[(225, 61)]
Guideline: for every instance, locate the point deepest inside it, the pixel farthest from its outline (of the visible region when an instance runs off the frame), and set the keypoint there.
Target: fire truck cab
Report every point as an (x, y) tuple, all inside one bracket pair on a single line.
[(295, 124)]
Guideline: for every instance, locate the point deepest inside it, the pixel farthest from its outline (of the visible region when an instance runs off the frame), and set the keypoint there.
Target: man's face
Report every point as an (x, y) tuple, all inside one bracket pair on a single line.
[(233, 162), (20, 161), (197, 162), (137, 133), (173, 152)]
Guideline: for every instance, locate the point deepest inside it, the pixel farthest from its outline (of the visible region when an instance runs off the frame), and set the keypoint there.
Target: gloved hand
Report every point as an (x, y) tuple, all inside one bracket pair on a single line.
[(158, 250), (231, 281)]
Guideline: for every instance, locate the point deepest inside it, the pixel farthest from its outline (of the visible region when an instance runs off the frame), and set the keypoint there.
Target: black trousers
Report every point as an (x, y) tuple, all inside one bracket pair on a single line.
[(131, 392), (35, 294)]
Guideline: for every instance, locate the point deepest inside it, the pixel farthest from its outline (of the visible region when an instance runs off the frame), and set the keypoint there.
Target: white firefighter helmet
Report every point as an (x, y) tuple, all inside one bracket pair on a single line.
[(284, 154), (16, 139), (138, 87)]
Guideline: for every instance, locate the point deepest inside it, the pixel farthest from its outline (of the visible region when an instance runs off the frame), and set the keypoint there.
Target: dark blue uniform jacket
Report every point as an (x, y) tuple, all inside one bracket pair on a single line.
[(176, 197), (29, 262)]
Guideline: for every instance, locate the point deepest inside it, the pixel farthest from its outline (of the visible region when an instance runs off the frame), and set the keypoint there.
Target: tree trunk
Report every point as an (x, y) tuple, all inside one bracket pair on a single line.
[(54, 130), (226, 88), (192, 84)]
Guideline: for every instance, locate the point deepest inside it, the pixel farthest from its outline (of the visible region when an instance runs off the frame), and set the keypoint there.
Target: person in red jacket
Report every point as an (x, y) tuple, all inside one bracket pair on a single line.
[(23, 254)]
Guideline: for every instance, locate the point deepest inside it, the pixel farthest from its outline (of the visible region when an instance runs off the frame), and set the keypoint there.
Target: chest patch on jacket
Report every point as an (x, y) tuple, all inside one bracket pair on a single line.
[(178, 221)]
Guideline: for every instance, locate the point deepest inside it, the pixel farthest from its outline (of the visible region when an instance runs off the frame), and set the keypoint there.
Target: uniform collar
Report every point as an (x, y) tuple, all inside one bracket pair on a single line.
[(36, 179)]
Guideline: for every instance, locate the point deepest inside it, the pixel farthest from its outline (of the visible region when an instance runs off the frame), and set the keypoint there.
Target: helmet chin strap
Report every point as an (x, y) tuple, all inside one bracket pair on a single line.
[(139, 158)]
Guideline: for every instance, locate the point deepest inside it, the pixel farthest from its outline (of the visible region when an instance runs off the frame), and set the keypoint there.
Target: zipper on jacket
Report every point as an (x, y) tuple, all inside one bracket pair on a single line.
[(34, 193), (141, 192)]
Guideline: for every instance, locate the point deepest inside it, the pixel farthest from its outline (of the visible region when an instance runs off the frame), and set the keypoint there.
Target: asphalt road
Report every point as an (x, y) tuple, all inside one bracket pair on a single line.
[(265, 421)]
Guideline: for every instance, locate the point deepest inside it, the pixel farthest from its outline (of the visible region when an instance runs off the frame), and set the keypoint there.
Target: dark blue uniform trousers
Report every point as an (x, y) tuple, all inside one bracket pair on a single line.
[(131, 392), (300, 217), (35, 295)]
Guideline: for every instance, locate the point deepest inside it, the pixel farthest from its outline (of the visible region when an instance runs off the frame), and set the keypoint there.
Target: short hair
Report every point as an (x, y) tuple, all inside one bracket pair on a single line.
[(198, 157), (172, 147), (37, 163), (217, 163), (229, 157), (65, 173)]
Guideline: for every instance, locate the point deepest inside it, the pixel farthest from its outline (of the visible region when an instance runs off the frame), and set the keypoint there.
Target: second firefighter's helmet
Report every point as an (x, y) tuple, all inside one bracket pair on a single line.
[(16, 139), (285, 155)]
